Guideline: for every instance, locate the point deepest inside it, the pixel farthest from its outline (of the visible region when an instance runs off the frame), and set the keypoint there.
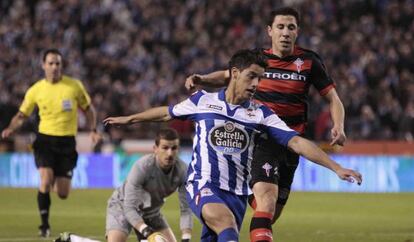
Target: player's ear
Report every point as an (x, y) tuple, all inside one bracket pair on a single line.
[(235, 72), (269, 30)]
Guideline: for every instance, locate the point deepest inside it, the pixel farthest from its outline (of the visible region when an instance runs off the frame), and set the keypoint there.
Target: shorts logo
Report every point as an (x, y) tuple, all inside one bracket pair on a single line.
[(205, 192), (69, 173), (228, 139), (197, 199), (267, 167), (276, 171)]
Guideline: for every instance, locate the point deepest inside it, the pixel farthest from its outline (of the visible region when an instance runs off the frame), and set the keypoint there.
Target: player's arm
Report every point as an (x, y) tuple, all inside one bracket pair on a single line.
[(313, 153), (338, 116), (136, 198), (16, 122), (186, 219), (214, 79), (90, 114), (158, 114)]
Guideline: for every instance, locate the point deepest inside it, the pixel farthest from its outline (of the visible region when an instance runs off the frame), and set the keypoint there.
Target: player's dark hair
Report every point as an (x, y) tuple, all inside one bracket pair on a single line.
[(286, 11), (242, 59), (167, 134), (50, 51)]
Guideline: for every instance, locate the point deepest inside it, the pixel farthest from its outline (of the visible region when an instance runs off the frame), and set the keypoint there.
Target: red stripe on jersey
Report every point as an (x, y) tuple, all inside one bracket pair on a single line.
[(285, 109), (289, 66), (267, 85), (300, 128), (325, 91)]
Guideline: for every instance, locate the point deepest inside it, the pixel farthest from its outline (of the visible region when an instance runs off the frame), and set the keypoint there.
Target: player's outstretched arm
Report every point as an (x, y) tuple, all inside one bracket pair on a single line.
[(313, 153), (16, 122), (214, 79), (158, 114)]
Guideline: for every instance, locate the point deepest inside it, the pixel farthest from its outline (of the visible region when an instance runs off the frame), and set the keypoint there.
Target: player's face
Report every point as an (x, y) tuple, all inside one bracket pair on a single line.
[(283, 32), (52, 67), (247, 81), (166, 153)]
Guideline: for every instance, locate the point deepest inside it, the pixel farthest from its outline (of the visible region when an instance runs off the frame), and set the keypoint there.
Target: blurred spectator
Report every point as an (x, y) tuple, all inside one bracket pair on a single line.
[(134, 54)]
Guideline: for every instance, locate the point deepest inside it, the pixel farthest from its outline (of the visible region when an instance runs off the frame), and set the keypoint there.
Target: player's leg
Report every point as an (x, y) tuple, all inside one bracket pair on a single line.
[(287, 173), (43, 199), (66, 159), (44, 163), (168, 234), (117, 226), (213, 207), (264, 183)]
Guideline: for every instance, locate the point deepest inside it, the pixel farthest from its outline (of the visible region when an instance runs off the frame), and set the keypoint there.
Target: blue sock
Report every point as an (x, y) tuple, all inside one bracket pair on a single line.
[(228, 235)]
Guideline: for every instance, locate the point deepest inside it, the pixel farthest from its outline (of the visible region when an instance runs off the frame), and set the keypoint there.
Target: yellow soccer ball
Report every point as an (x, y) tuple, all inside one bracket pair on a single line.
[(157, 237)]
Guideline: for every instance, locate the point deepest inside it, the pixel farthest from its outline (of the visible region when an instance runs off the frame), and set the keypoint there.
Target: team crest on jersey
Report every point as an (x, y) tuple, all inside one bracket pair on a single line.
[(228, 139), (298, 62)]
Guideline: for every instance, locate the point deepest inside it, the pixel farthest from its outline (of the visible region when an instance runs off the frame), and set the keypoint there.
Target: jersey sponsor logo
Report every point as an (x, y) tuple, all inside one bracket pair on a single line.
[(298, 62), (216, 107), (67, 105), (228, 139), (267, 167), (285, 76)]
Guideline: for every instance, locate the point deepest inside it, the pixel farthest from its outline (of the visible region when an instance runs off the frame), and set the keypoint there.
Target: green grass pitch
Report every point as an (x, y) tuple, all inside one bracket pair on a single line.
[(309, 217)]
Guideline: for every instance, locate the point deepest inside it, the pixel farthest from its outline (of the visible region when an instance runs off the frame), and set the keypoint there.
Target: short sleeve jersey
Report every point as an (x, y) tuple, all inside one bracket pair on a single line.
[(225, 136), (285, 84), (58, 105)]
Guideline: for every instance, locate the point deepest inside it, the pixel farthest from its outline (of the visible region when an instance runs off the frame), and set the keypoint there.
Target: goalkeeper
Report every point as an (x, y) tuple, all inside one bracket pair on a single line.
[(137, 203)]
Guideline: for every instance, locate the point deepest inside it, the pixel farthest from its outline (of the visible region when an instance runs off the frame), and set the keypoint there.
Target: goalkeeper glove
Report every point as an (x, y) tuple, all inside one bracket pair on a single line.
[(146, 231)]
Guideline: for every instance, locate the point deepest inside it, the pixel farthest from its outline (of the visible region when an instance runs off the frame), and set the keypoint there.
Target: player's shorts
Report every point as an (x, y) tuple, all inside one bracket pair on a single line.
[(274, 163), (212, 194), (56, 152), (116, 220)]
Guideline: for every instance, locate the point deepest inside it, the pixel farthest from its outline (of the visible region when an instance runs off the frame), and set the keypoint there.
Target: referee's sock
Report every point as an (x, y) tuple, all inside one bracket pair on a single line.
[(43, 202), (228, 235), (261, 227)]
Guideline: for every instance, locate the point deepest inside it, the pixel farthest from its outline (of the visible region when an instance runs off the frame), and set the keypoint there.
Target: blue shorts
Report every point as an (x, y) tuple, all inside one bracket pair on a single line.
[(212, 194)]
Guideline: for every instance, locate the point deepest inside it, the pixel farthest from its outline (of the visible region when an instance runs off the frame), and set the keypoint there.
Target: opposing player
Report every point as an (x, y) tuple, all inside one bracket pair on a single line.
[(227, 125), (137, 203), (58, 98), (284, 89)]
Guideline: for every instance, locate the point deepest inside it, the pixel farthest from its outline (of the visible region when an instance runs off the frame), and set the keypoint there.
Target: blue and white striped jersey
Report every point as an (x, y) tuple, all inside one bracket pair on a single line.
[(225, 136)]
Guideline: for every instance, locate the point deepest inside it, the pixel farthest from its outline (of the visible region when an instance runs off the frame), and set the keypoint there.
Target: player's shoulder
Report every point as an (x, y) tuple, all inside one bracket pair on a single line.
[(71, 80), (146, 162), (256, 106), (308, 53)]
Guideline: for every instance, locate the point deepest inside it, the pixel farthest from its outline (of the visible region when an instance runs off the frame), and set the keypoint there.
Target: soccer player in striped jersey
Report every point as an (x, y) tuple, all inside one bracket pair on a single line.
[(284, 89), (228, 124)]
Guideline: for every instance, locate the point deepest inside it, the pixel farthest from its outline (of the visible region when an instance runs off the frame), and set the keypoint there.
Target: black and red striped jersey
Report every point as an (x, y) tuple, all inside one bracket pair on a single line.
[(285, 84)]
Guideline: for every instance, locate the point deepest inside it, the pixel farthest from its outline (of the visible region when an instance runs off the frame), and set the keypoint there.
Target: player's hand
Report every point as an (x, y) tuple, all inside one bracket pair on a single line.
[(6, 133), (338, 136), (147, 232), (192, 81), (349, 175), (95, 136), (117, 120)]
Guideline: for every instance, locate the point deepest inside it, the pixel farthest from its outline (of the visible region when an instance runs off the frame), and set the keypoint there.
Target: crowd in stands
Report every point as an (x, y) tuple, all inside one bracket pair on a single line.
[(135, 54)]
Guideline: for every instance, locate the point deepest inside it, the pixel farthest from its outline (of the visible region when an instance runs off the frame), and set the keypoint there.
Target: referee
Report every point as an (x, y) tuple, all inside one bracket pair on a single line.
[(57, 97)]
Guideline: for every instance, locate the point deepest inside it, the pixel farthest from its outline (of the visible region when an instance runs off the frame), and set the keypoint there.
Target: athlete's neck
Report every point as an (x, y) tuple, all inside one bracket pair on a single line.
[(281, 54), (231, 95), (53, 80)]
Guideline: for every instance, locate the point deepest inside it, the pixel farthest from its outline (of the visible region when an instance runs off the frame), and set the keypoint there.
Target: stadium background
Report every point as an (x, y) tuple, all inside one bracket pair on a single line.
[(135, 54)]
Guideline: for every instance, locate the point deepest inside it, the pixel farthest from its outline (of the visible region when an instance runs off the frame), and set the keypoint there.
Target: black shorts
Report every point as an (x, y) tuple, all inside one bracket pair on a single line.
[(274, 163), (56, 152)]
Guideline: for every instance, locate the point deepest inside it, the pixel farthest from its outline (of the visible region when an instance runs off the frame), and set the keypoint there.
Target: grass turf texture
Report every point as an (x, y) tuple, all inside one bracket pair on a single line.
[(308, 217)]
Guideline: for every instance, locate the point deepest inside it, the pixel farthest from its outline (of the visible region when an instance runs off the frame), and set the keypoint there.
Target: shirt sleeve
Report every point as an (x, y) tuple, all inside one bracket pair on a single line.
[(136, 197), (29, 102), (187, 108), (320, 78), (83, 97), (276, 128)]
